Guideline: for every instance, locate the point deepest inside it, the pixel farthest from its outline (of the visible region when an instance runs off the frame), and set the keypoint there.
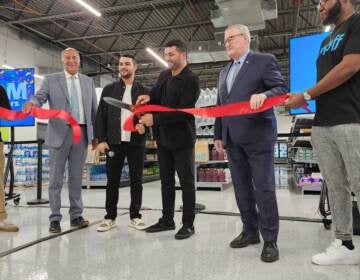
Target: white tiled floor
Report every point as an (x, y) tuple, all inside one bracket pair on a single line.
[(125, 253)]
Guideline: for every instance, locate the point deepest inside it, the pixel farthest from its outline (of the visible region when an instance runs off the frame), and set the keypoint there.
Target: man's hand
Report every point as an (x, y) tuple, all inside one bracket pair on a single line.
[(103, 147), (147, 119), (140, 128), (143, 99), (295, 101), (257, 101), (26, 108), (219, 146)]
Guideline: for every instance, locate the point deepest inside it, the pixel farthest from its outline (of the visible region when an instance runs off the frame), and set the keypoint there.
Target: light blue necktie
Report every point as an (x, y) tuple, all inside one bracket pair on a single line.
[(74, 100), (235, 71)]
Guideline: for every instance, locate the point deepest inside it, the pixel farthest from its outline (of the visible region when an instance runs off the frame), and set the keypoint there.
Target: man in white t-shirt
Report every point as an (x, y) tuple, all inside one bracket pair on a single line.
[(120, 144)]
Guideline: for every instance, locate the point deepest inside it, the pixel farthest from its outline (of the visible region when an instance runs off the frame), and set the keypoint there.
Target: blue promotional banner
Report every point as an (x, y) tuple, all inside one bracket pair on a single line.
[(19, 86), (303, 53)]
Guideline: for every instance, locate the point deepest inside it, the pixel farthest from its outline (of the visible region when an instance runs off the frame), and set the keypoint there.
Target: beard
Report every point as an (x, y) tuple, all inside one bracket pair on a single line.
[(333, 14), (128, 75)]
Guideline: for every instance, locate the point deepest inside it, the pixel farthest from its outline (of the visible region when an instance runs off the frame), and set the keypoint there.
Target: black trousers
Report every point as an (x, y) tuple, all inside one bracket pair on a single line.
[(181, 161), (114, 165)]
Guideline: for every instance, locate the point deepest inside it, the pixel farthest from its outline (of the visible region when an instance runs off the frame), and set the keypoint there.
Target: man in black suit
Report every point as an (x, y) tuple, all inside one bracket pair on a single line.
[(176, 87), (120, 144), (249, 139)]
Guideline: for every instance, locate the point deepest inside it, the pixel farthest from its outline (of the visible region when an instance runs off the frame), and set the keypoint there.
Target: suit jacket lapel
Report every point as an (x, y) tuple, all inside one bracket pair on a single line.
[(63, 85), (223, 81), (83, 91), (243, 70)]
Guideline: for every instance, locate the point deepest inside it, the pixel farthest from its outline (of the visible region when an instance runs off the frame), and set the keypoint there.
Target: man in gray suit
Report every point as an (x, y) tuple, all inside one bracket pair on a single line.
[(74, 93)]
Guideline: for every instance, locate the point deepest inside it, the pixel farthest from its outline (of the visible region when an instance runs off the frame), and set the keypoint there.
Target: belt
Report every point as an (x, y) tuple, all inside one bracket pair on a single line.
[(81, 125)]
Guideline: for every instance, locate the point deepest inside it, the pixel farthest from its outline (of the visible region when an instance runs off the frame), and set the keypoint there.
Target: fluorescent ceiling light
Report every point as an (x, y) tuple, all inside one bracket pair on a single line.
[(154, 54), (10, 67), (89, 7), (327, 28)]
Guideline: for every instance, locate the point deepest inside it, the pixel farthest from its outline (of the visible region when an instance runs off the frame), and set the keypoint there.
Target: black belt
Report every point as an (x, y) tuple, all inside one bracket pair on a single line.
[(81, 125)]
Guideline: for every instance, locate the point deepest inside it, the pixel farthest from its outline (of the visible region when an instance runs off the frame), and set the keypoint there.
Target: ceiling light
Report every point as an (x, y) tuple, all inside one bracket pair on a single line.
[(327, 28), (154, 54), (88, 7)]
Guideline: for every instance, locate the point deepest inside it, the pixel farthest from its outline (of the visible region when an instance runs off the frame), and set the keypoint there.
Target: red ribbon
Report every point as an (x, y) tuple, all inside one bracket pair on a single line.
[(44, 114), (239, 108)]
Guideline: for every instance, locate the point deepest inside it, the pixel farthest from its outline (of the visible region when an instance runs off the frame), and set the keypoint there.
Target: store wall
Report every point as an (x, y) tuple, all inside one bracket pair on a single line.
[(20, 50)]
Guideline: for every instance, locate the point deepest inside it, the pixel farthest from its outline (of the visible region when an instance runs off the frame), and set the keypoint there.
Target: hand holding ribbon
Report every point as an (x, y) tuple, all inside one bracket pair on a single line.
[(44, 114)]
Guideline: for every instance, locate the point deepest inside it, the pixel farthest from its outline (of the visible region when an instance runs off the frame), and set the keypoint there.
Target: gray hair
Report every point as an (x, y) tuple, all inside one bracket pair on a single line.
[(68, 49), (243, 29)]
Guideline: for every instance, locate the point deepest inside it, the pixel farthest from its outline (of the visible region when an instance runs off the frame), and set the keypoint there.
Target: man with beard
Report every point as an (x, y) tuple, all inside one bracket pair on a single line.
[(121, 144), (176, 87), (336, 128)]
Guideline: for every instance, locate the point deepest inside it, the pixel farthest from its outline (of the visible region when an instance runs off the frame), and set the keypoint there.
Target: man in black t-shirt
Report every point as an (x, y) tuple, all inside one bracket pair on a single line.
[(336, 131), (4, 225)]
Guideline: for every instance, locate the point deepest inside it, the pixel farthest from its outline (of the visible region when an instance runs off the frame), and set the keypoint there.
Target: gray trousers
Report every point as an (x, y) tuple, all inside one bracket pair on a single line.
[(75, 155), (338, 151)]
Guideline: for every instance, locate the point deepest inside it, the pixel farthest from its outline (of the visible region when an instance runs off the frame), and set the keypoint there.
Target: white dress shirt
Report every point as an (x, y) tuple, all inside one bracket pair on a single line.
[(78, 89)]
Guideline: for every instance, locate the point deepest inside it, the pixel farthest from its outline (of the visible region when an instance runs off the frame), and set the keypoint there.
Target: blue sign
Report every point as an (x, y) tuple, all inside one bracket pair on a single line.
[(304, 52), (19, 86)]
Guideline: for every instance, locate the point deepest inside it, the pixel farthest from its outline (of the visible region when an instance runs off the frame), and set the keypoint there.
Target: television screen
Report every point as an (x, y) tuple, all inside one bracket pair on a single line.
[(19, 86), (303, 52)]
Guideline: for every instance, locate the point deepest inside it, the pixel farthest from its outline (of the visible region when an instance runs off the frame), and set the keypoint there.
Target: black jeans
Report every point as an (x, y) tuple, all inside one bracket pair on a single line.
[(114, 165), (181, 161)]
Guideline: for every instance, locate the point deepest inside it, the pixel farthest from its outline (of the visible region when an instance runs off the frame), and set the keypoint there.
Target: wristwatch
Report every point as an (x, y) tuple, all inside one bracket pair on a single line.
[(307, 96)]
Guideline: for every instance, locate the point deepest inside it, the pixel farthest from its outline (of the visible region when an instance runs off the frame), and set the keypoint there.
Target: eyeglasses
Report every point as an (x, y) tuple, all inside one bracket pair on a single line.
[(232, 37), (322, 2)]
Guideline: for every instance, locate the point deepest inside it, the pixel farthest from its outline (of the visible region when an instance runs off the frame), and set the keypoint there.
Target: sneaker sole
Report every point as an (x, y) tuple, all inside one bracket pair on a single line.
[(107, 229), (335, 263), (137, 227)]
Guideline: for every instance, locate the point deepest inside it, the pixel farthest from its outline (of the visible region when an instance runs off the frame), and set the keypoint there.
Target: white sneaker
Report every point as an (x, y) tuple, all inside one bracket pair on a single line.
[(106, 225), (337, 254), (137, 223)]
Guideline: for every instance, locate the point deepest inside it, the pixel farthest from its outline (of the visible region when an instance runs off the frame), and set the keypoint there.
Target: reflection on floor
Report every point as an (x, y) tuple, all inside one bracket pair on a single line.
[(124, 253)]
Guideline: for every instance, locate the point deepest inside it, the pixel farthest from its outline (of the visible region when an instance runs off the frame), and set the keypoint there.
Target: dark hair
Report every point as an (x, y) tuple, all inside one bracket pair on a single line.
[(180, 45), (353, 2), (129, 56)]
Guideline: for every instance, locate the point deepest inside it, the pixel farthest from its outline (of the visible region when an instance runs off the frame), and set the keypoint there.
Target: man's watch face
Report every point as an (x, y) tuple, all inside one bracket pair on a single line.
[(307, 96)]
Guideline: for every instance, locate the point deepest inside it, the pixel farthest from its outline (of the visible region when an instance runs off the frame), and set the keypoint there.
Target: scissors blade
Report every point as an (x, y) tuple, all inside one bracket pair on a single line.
[(119, 104)]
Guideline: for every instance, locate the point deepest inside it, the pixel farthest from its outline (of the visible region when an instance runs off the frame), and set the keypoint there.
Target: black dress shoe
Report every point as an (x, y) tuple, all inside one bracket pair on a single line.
[(79, 222), (244, 239), (55, 227), (161, 225), (270, 252), (185, 232)]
